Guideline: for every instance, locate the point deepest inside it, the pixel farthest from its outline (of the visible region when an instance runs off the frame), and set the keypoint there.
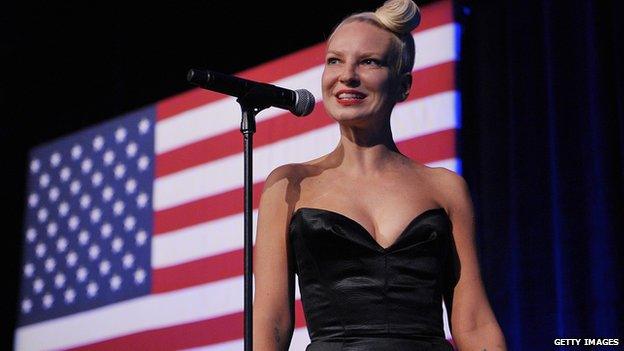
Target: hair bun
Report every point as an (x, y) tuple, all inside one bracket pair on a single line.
[(399, 16)]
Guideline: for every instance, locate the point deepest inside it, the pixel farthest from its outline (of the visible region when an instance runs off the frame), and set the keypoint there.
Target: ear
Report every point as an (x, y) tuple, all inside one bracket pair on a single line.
[(405, 84)]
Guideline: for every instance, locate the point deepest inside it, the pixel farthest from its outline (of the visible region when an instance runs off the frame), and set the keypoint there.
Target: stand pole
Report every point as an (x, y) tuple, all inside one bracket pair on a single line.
[(248, 127)]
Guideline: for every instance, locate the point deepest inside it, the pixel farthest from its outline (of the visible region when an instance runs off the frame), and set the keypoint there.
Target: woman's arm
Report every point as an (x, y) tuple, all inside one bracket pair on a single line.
[(273, 307), (473, 324)]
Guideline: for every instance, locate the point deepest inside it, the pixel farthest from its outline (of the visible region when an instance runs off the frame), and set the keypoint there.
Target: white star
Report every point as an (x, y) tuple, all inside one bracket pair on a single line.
[(98, 143), (31, 235), (29, 269), (96, 179), (142, 200), (85, 201), (141, 238), (44, 180), (92, 289), (118, 207), (94, 252), (35, 166), (95, 215), (61, 245), (128, 260), (81, 274), (143, 162), (71, 258), (117, 244), (52, 229), (38, 285), (144, 126), (53, 194), (107, 193), (120, 134), (109, 157), (76, 151), (42, 214), (59, 280), (129, 223), (139, 276), (73, 222), (115, 282), (55, 159), (33, 200), (65, 174), (63, 209), (47, 300), (75, 187), (26, 305), (86, 165), (50, 264), (69, 295), (131, 149), (120, 171), (40, 249), (83, 237), (105, 267), (106, 229), (131, 185)]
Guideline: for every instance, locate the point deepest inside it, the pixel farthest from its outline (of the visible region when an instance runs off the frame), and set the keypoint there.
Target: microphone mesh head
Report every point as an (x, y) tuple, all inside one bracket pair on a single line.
[(304, 104)]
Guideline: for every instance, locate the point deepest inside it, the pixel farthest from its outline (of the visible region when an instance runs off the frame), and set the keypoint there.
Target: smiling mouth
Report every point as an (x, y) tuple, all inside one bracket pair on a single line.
[(350, 98)]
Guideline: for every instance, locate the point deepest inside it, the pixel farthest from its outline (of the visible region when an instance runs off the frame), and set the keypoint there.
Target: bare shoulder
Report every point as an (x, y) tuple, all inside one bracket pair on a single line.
[(452, 188)]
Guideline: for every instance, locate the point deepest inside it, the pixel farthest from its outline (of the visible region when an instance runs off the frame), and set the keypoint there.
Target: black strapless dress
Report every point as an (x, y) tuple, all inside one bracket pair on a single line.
[(359, 296)]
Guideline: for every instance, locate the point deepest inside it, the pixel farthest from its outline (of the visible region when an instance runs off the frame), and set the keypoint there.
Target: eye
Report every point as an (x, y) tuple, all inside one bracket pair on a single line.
[(371, 62), (332, 60)]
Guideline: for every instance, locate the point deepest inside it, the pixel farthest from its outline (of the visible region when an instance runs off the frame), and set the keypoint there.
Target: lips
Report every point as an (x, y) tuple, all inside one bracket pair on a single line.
[(350, 97)]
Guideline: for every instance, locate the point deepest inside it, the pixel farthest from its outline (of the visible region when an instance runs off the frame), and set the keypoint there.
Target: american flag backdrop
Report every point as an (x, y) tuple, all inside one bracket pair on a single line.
[(133, 231)]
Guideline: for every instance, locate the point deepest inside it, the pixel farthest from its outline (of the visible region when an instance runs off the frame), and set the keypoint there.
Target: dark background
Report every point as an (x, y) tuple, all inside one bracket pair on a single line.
[(542, 138)]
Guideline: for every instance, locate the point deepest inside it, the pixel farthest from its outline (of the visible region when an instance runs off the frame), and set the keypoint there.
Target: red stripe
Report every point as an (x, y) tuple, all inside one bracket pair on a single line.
[(432, 80), (432, 147), (202, 333), (202, 210), (209, 269), (433, 15)]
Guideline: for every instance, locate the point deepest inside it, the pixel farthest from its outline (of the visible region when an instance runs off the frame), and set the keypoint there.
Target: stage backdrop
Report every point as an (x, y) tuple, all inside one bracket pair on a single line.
[(134, 228)]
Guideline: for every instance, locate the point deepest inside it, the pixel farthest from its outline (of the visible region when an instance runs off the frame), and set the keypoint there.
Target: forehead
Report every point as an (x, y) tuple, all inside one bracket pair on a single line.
[(358, 37)]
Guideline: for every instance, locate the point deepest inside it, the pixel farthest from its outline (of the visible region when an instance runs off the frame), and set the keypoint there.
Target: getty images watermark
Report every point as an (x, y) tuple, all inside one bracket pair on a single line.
[(587, 342)]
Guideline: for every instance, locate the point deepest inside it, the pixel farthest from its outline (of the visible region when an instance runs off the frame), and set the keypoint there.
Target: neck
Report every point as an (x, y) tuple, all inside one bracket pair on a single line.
[(365, 151)]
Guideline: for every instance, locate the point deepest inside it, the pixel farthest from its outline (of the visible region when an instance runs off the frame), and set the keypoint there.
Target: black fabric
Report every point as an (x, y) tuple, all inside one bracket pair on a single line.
[(360, 296)]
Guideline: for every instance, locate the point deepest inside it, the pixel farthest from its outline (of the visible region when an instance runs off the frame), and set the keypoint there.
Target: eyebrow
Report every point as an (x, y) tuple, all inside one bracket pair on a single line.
[(361, 54)]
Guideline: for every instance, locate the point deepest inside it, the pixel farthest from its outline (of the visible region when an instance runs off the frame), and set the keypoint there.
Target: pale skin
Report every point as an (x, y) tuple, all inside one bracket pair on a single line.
[(367, 179)]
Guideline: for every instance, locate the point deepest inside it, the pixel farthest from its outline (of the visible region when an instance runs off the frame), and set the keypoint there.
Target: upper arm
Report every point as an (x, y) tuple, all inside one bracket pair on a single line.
[(470, 306), (273, 266)]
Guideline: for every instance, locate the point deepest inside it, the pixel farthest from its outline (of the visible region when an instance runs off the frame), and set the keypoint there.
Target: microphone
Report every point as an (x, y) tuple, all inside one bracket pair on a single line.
[(300, 102)]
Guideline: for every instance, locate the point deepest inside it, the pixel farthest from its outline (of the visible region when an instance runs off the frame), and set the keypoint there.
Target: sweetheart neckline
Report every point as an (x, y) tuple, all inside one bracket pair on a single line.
[(369, 235)]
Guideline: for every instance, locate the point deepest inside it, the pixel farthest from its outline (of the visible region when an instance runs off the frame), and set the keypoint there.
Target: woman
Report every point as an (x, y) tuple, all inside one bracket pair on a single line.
[(377, 239)]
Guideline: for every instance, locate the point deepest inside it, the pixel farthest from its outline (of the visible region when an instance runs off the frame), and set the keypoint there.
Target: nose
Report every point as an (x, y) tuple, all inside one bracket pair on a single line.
[(349, 75)]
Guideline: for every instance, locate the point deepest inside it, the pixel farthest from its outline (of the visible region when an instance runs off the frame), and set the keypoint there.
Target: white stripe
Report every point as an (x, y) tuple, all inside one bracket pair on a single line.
[(200, 241), (433, 46), (182, 306), (410, 119), (217, 236), (299, 341)]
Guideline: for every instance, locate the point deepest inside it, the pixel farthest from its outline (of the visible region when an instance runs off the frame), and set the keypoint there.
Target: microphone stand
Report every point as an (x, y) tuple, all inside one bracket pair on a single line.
[(250, 106)]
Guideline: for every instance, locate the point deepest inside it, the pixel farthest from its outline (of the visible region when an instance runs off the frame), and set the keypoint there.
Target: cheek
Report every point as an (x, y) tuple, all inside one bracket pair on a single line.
[(327, 81)]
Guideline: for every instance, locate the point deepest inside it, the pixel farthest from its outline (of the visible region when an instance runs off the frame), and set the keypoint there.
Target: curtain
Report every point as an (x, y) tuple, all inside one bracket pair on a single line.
[(542, 144)]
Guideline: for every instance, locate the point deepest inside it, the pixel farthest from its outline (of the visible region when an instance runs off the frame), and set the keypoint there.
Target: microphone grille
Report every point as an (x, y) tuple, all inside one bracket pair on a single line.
[(304, 104)]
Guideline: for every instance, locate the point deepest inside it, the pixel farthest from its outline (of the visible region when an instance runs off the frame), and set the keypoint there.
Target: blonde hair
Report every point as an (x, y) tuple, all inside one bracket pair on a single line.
[(399, 17)]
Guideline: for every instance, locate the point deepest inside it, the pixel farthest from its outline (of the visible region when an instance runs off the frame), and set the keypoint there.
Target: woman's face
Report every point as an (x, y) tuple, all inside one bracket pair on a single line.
[(358, 84)]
